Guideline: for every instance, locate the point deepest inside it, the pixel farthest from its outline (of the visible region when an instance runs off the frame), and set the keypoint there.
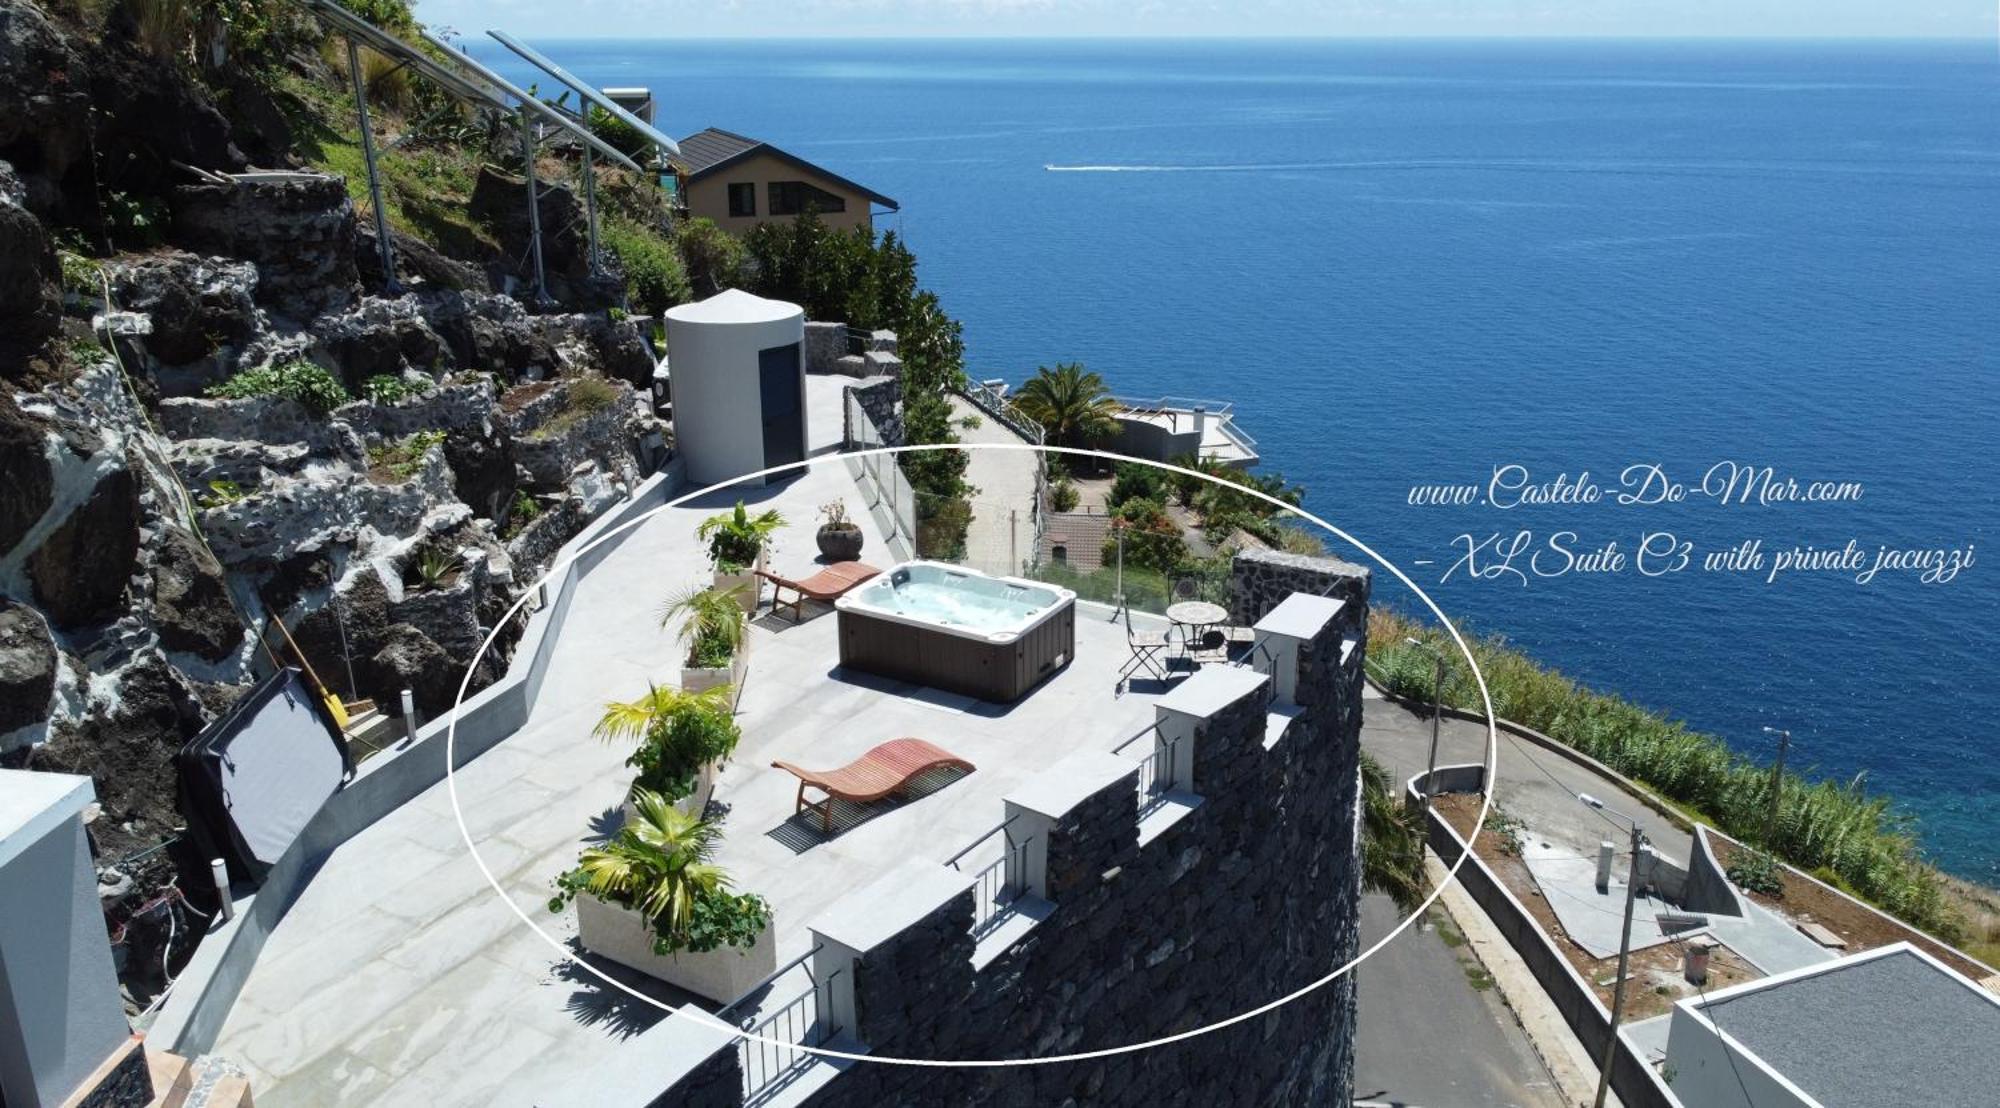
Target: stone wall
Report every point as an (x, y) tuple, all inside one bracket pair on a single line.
[(826, 343), (1251, 895), (881, 400)]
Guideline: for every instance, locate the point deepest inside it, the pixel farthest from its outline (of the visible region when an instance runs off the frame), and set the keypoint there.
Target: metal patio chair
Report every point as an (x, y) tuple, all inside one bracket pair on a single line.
[(1146, 647)]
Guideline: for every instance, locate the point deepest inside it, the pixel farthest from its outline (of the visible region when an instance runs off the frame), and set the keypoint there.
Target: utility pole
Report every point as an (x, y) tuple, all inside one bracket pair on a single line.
[(1624, 951), (1437, 716), (1777, 786)]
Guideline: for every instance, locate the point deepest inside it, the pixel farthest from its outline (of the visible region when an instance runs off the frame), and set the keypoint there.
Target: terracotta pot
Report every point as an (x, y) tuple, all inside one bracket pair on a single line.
[(843, 545)]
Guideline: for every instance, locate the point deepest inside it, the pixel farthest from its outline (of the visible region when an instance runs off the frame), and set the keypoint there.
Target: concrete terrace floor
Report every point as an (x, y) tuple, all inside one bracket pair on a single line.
[(399, 977)]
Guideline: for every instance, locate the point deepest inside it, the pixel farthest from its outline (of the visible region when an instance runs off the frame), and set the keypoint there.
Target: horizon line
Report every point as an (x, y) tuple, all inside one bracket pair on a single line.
[(1267, 37)]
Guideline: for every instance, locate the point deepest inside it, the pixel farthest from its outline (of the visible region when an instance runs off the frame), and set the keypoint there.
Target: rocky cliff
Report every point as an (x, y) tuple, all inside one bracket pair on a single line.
[(214, 417)]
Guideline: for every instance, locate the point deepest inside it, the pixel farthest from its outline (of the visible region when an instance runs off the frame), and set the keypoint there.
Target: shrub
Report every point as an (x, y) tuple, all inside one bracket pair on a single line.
[(712, 258), (1152, 539), (736, 537), (678, 733), (387, 388), (711, 622), (1137, 482), (655, 280), (298, 380), (1063, 496), (619, 134), (400, 460), (1757, 872), (659, 865)]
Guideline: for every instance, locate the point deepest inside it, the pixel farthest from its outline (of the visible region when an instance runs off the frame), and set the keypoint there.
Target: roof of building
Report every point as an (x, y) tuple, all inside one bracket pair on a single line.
[(735, 306), (710, 151), (1886, 1026), (1081, 535)]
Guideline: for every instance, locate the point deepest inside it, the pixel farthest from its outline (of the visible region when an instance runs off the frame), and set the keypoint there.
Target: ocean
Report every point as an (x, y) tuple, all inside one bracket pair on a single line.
[(1525, 279)]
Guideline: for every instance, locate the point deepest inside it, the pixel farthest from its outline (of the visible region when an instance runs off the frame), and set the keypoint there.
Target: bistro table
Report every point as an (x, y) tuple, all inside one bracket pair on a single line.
[(1196, 616)]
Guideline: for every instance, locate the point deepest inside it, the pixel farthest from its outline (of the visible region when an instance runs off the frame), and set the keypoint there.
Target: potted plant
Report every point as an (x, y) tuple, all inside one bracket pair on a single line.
[(714, 629), (651, 899), (736, 541), (839, 537), (683, 738)]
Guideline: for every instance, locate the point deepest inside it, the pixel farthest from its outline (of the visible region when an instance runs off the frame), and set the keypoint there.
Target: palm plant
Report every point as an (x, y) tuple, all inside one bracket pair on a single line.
[(735, 538), (1071, 403), (678, 732), (659, 865), (1392, 841), (712, 624)]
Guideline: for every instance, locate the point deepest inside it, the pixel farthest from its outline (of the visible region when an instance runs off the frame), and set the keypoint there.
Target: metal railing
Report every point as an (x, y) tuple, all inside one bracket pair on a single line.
[(1218, 413), (992, 891), (768, 1066), (1005, 410), (1156, 771)]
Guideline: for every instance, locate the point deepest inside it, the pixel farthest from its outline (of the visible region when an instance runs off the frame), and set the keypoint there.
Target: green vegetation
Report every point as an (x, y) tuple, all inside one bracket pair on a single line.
[(436, 566), (1063, 496), (1835, 827), (522, 511), (736, 537), (1392, 841), (1503, 826), (401, 460), (386, 388), (1152, 538), (222, 491), (1137, 482), (619, 134), (678, 733), (1757, 872), (1072, 405), (659, 865), (298, 379), (655, 277), (712, 623), (80, 275), (587, 395), (713, 258)]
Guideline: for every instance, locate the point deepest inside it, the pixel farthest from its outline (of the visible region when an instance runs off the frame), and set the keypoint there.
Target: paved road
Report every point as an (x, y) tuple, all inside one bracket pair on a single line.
[(1427, 1037), (1538, 787)]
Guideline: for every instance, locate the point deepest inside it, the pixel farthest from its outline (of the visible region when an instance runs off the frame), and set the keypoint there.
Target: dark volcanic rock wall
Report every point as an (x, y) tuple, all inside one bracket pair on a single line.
[(1251, 896)]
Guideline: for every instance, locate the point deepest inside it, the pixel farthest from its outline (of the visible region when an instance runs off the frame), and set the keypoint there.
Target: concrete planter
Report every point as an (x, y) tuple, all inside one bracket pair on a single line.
[(696, 679), (694, 804), (618, 933), (748, 580)]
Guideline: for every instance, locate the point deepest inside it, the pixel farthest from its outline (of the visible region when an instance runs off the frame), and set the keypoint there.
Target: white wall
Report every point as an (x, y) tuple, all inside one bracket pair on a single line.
[(60, 1013), (1709, 1072)]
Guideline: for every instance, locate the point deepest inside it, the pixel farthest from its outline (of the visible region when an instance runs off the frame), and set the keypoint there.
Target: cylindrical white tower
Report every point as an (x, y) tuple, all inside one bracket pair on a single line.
[(737, 366)]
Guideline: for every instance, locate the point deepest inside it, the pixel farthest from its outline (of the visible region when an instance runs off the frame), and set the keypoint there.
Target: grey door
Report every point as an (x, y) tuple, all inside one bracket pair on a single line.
[(784, 420)]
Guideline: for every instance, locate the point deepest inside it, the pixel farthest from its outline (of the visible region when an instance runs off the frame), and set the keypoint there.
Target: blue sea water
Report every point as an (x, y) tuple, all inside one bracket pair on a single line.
[(1407, 263)]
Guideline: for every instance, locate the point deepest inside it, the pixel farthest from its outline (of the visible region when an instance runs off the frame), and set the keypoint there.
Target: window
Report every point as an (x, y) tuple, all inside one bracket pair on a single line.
[(793, 197), (743, 198)]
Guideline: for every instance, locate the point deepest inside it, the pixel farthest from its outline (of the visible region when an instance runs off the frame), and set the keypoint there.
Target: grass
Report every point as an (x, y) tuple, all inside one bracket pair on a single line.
[(396, 462), (1839, 828), (587, 396)]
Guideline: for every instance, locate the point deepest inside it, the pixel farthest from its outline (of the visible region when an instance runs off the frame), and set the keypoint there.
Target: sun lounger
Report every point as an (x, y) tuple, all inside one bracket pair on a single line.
[(826, 586), (886, 769)]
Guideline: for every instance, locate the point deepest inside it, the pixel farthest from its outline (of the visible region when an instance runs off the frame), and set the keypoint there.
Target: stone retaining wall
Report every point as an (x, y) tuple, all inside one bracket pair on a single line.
[(1249, 895)]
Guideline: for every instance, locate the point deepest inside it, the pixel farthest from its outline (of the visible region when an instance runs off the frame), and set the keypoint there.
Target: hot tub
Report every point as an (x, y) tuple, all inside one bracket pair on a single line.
[(955, 629)]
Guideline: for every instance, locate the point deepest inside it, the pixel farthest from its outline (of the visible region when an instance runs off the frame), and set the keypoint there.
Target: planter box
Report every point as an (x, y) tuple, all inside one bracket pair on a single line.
[(619, 934), (748, 580), (694, 804), (696, 680)]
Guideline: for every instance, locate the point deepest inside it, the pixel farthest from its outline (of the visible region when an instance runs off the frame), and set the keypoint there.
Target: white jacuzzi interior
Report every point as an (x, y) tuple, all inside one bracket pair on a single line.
[(952, 597)]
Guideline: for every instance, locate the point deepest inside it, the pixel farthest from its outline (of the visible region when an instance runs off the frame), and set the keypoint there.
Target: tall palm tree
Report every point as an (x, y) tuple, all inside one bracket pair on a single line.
[(1071, 403), (659, 864)]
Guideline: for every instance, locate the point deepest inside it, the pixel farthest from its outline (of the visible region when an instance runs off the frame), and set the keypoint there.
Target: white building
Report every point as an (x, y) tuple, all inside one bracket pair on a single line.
[(1886, 1026), (736, 365)]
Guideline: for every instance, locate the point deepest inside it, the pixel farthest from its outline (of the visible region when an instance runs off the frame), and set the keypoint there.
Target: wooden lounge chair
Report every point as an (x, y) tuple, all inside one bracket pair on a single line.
[(888, 768), (826, 586)]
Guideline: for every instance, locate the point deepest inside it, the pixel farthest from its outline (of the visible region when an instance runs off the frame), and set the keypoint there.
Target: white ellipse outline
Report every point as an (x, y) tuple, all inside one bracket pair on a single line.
[(708, 1018)]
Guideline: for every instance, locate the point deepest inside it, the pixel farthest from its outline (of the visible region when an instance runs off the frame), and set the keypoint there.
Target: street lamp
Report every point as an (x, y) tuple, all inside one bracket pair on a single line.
[(1624, 946), (1777, 786), (1437, 703)]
